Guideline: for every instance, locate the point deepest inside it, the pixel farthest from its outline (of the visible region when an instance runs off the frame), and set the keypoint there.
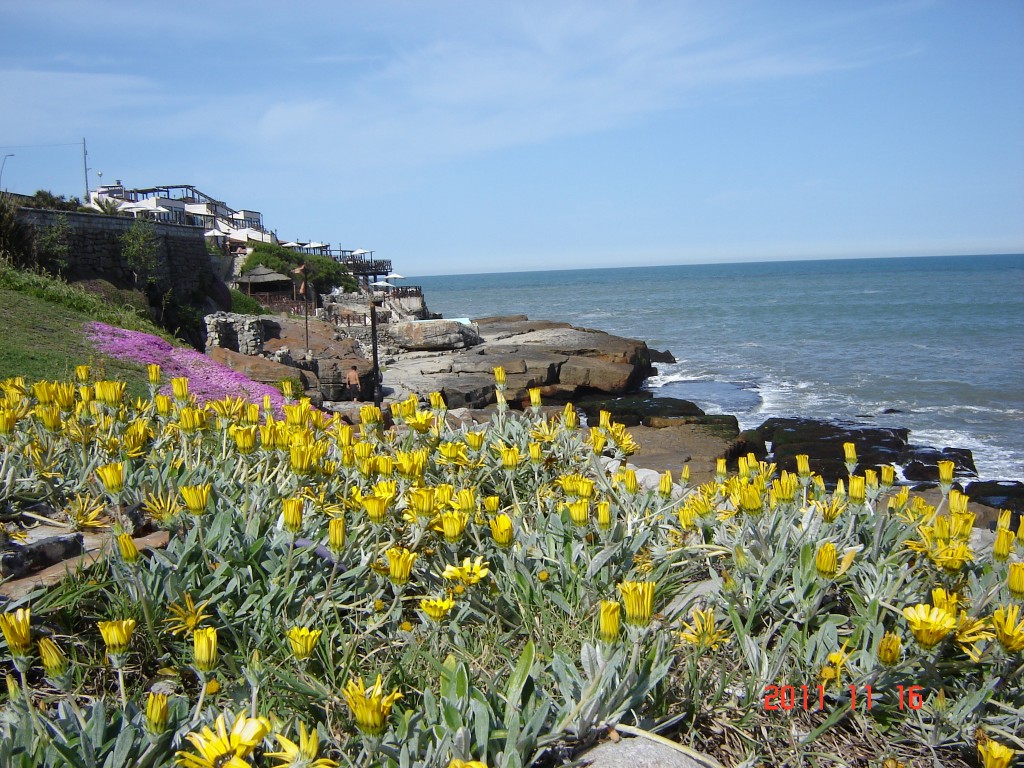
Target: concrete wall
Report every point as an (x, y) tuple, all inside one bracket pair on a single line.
[(182, 261)]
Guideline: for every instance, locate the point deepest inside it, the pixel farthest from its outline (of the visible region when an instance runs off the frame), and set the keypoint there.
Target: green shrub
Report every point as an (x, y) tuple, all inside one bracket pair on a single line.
[(245, 305), (325, 273)]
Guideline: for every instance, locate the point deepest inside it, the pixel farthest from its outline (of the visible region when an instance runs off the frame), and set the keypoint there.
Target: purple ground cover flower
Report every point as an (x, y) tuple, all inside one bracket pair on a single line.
[(208, 380)]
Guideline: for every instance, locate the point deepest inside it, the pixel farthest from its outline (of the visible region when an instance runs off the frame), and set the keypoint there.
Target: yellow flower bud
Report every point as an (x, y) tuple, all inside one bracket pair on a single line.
[(889, 648), (611, 611), (204, 642)]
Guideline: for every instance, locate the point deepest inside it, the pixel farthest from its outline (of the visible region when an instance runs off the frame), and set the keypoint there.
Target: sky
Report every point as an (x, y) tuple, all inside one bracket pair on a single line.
[(459, 137)]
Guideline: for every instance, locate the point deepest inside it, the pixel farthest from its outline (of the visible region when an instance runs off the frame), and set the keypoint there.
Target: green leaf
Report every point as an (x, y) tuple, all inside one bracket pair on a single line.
[(520, 674)]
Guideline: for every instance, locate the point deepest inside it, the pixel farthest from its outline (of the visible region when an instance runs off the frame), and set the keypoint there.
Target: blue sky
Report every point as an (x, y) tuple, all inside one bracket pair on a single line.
[(456, 137)]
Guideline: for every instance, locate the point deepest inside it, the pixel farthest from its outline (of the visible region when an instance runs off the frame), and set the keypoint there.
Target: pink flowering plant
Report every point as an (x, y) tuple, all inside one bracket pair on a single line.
[(208, 379)]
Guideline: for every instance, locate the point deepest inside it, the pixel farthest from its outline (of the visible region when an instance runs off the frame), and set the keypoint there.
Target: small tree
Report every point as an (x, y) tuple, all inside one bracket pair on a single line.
[(15, 235), (139, 247), (53, 245)]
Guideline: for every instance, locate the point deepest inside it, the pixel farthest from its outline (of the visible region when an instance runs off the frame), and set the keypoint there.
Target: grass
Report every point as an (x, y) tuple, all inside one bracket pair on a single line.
[(42, 317)]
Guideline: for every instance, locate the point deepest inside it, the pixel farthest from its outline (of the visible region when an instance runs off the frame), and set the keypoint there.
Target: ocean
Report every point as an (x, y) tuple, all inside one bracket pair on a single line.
[(933, 344)]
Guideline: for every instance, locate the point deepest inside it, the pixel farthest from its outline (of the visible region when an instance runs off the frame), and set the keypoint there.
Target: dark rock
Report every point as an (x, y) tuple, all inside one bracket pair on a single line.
[(24, 559), (822, 441), (999, 494), (638, 409), (922, 463), (658, 356)]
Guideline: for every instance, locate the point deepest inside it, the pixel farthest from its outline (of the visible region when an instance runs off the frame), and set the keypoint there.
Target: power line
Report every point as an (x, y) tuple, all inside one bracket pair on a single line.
[(30, 146)]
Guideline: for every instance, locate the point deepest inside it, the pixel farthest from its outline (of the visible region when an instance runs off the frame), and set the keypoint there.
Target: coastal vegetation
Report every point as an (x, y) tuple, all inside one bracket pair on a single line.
[(325, 273), (497, 594)]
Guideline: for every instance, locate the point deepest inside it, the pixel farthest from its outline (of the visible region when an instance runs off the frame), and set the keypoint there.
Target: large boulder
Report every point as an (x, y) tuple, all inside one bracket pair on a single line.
[(263, 370), (640, 409), (1001, 494), (822, 441), (433, 334)]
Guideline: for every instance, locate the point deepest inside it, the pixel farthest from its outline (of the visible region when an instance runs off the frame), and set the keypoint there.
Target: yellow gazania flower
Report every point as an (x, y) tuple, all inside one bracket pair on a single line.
[(82, 373), (420, 421), (437, 608), (8, 419), (126, 545), (376, 507), (179, 387), (117, 635), (499, 376), (370, 707), (400, 562), (112, 476), (336, 534), (750, 501), (604, 514), (292, 514), (196, 497), (84, 512), (303, 754), (536, 452), (952, 557), (16, 629), (803, 468), (1008, 631), (969, 632), (509, 457), (703, 633), (850, 453), (535, 398), (665, 484), (163, 404), (475, 440), (617, 433), (610, 620), (825, 560), (570, 419), (1003, 544), (244, 437), (303, 457), (1015, 579), (858, 489), (303, 640), (54, 661), (220, 748), (109, 392), (994, 755), (50, 416), (204, 646), (186, 617), (469, 573), (946, 475), (457, 763), (579, 511), (156, 713), (501, 530), (453, 524), (639, 599), (930, 625), (370, 416), (889, 648), (191, 419), (153, 372)]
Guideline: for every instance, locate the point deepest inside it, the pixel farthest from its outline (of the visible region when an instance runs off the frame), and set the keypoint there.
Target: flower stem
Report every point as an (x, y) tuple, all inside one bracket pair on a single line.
[(120, 686), (202, 696)]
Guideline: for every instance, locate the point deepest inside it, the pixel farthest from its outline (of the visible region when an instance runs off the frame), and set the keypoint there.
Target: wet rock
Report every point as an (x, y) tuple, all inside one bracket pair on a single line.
[(999, 494), (922, 463), (640, 409), (22, 559), (822, 441)]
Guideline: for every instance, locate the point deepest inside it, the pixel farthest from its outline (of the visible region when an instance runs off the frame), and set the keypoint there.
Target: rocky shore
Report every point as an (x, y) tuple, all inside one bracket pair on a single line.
[(590, 368)]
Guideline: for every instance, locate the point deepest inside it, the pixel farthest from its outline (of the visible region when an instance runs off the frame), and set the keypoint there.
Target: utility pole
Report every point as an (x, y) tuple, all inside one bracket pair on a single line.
[(85, 168)]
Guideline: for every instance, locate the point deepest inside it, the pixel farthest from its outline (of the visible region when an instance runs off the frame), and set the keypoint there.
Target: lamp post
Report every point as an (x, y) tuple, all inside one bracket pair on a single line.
[(377, 394), (2, 164)]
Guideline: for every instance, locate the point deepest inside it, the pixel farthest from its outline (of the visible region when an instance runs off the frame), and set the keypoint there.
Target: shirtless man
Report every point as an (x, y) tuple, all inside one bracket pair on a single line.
[(352, 382)]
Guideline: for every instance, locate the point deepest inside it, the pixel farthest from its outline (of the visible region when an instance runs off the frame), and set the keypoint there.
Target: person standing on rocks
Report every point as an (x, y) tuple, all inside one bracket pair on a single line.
[(352, 382)]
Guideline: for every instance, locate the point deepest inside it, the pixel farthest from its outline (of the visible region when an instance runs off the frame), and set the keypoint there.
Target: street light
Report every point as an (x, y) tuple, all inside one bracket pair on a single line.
[(378, 395), (2, 164)]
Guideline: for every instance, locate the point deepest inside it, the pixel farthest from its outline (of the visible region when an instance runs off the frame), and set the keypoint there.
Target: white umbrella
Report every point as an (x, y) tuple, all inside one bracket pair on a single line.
[(214, 233), (359, 252), (315, 245), (290, 245), (395, 276), (383, 284)]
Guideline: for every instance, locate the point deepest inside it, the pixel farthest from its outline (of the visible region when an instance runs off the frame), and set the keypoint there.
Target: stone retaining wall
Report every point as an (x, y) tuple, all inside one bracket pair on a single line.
[(182, 261)]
